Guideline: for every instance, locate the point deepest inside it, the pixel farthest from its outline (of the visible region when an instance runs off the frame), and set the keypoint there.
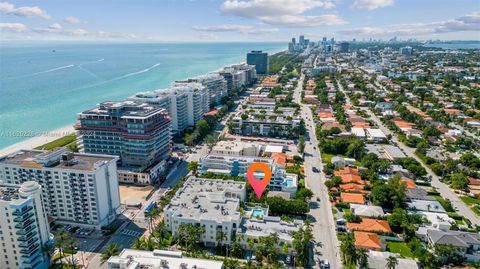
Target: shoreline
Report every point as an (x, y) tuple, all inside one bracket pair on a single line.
[(48, 136), (38, 140)]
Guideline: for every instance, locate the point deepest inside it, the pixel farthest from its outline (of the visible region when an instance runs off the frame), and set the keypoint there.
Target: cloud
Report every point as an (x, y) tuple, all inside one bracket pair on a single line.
[(470, 22), (25, 11), (71, 20), (288, 13), (237, 28), (371, 4), (13, 27)]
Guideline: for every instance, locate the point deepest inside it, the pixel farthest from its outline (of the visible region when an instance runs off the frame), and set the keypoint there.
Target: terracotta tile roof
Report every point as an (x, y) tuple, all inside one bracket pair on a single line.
[(474, 181), (349, 187), (355, 198), (410, 183), (403, 124), (280, 158), (451, 111), (370, 225), (346, 170), (360, 124), (349, 178), (368, 241)]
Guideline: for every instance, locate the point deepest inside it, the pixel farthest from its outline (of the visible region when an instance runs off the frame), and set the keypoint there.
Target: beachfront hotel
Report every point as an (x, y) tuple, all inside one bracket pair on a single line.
[(215, 205), (24, 228), (186, 102), (216, 86), (238, 165), (78, 189)]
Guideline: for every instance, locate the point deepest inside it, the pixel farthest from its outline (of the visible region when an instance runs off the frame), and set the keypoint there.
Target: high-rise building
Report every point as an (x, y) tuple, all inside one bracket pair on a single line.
[(238, 76), (301, 40), (344, 47), (24, 227), (260, 60), (139, 133), (215, 84), (79, 189), (186, 102), (293, 41), (291, 47), (406, 50)]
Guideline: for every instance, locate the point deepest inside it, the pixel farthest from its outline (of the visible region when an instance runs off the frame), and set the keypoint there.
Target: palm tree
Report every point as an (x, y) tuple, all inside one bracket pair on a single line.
[(362, 258), (112, 250), (61, 237), (72, 245), (193, 166), (392, 262), (220, 237)]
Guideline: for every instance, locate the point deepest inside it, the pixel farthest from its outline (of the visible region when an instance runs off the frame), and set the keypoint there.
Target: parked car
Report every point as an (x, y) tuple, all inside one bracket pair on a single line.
[(326, 264), (341, 229)]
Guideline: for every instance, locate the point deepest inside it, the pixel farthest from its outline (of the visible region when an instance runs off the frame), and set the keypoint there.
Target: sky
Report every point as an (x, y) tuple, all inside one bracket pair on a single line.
[(238, 20)]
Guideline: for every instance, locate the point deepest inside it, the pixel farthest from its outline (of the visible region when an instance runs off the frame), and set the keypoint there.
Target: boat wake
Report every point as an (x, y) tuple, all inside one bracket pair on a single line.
[(117, 78), (140, 72), (43, 72)]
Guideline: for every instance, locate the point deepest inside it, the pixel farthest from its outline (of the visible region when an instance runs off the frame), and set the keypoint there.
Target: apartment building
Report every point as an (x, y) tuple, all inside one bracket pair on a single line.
[(216, 86), (238, 76), (186, 102), (139, 133), (267, 121), (24, 229), (260, 60), (214, 204), (238, 166), (78, 189)]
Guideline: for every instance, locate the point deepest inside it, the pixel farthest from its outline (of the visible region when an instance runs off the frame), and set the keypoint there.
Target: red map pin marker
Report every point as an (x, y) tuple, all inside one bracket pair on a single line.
[(259, 185)]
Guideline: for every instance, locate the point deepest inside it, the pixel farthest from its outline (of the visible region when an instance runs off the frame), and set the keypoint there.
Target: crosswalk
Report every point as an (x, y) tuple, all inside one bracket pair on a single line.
[(132, 233)]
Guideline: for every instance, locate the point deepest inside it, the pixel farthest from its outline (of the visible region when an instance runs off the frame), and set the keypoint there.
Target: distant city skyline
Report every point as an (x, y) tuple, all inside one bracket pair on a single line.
[(239, 20)]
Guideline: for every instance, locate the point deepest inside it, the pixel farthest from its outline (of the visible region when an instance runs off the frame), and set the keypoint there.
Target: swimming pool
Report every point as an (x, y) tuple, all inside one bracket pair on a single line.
[(258, 213)]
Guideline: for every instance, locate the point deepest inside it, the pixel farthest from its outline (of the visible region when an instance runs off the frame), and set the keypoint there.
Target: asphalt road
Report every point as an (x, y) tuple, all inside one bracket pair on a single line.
[(325, 236), (442, 188)]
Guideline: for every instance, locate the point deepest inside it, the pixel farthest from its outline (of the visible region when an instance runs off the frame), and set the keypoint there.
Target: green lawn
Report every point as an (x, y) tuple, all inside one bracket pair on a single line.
[(470, 200), (61, 142), (446, 204), (327, 157), (400, 248)]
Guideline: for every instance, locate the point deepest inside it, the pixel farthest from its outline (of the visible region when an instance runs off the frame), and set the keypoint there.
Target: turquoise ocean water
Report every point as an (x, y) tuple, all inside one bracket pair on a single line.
[(44, 86)]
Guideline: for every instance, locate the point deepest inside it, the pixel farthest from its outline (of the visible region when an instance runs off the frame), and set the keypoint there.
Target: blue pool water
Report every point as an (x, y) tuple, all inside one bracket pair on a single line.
[(258, 213)]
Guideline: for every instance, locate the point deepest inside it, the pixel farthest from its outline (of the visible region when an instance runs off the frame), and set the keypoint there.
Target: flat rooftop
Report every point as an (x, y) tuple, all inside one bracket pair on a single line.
[(127, 109), (40, 159), (160, 259), (208, 199), (268, 225)]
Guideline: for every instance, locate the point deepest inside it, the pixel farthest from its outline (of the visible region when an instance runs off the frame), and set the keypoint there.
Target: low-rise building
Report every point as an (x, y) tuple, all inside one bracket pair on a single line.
[(367, 210), (369, 241), (238, 166), (468, 244), (267, 121), (139, 259), (378, 260), (213, 204)]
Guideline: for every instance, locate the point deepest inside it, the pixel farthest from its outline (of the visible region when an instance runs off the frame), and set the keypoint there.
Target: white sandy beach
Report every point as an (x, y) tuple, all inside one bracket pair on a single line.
[(40, 139)]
